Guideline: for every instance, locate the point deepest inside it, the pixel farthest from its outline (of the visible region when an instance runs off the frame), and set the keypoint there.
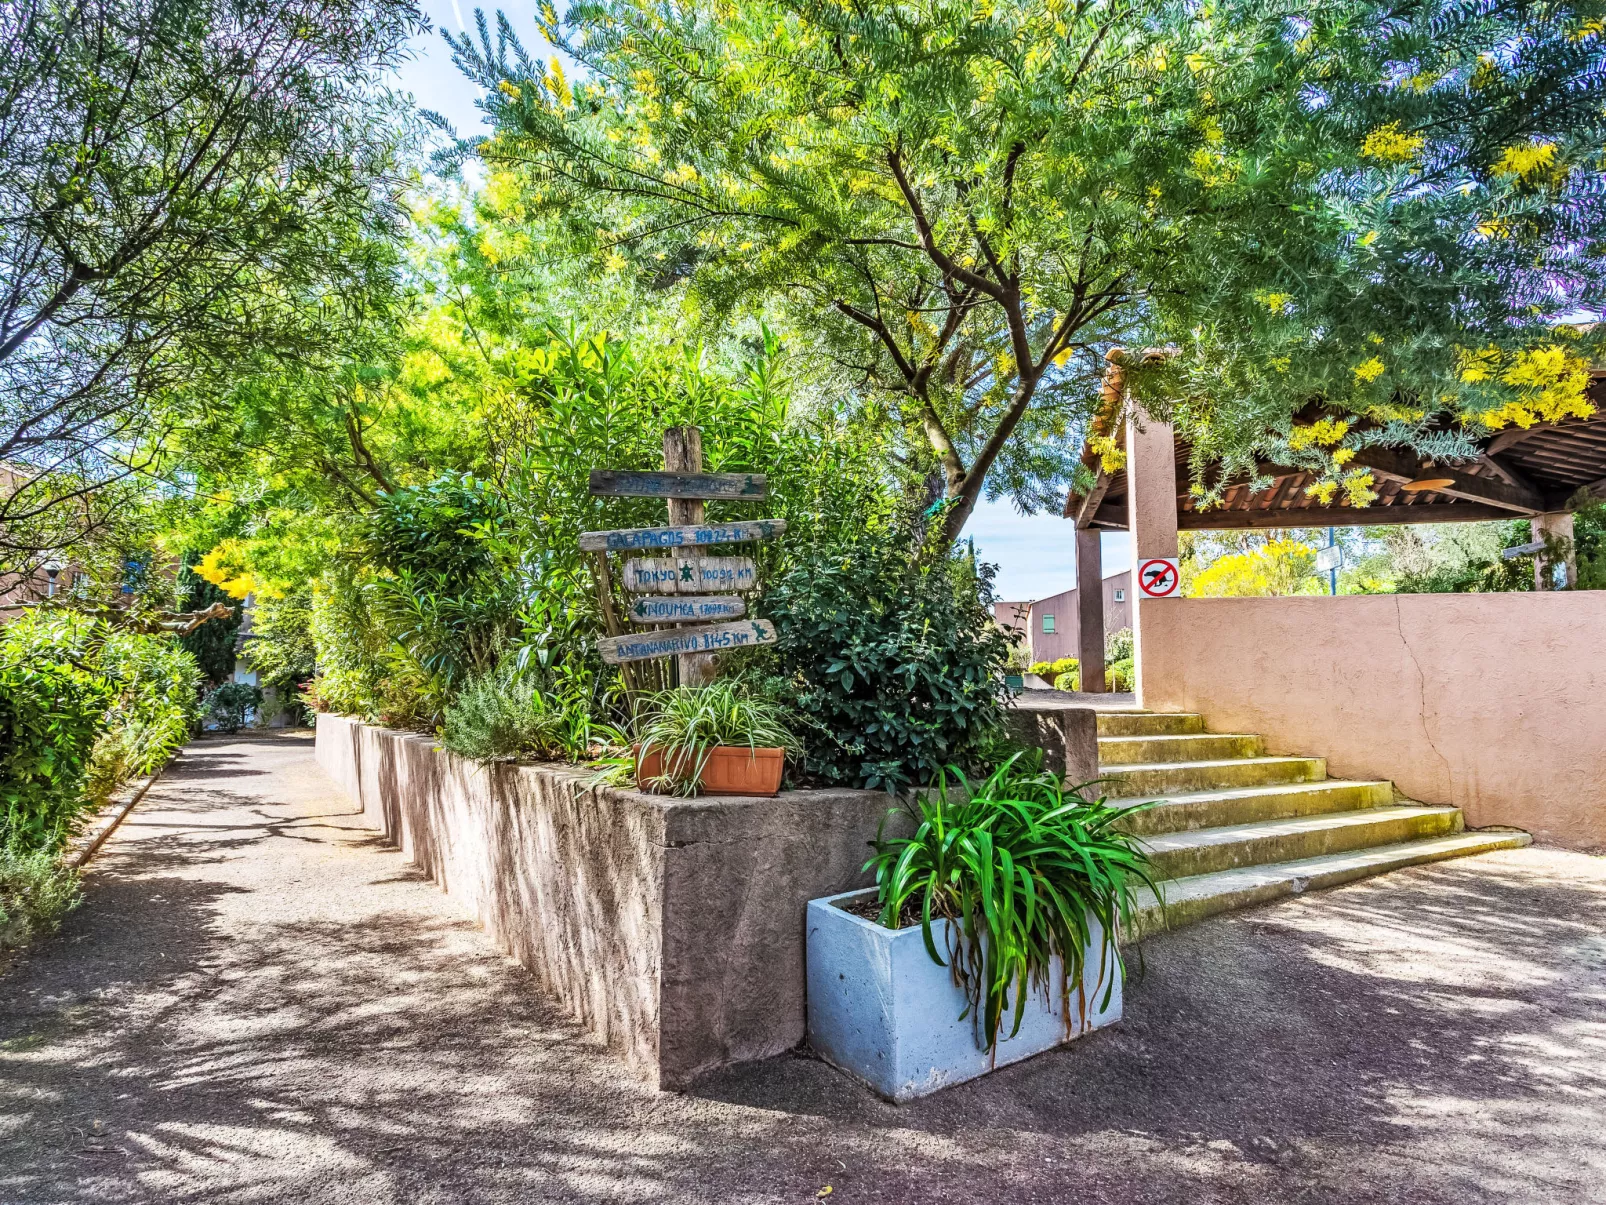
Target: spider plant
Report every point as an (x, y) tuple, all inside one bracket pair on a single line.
[(1018, 864), (686, 723)]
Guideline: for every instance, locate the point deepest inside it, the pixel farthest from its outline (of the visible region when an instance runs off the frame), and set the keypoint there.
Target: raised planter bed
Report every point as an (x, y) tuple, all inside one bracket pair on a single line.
[(670, 928), (881, 1010)]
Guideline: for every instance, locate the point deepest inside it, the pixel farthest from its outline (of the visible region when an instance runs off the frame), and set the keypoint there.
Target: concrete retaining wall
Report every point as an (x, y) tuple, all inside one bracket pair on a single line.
[(1495, 703), (671, 928)]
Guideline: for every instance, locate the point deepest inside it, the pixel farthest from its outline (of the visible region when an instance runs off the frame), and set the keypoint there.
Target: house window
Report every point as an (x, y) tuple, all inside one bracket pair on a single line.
[(1048, 623), (1120, 596)]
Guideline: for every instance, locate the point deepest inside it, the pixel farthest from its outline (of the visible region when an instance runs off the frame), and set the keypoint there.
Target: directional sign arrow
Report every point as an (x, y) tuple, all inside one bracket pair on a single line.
[(615, 483), (687, 608), (631, 539), (712, 639)]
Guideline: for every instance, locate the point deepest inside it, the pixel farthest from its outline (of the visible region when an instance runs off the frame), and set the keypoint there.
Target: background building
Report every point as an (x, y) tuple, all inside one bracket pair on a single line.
[(1050, 623)]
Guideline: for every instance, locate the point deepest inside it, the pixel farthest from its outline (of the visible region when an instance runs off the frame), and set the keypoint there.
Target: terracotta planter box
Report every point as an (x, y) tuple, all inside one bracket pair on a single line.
[(730, 770)]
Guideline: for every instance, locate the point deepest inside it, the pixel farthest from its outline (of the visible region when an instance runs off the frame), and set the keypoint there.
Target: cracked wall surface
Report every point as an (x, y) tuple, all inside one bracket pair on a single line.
[(1494, 703), (670, 928)]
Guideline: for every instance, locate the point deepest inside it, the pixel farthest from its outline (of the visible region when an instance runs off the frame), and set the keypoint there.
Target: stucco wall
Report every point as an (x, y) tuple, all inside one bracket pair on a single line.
[(1495, 703), (671, 928)]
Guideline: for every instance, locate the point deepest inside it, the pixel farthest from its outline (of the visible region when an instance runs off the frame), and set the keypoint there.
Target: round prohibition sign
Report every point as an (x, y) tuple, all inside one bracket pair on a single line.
[(1158, 578)]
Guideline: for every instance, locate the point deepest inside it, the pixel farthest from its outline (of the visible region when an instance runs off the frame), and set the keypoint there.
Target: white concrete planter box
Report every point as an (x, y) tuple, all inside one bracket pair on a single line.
[(881, 1010)]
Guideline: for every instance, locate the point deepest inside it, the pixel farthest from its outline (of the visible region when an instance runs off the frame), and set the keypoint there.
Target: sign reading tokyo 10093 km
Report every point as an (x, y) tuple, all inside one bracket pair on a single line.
[(688, 587)]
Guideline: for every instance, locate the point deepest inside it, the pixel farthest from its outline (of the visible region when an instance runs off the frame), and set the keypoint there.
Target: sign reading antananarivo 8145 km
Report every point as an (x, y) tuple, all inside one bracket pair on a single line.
[(681, 588), (712, 639)]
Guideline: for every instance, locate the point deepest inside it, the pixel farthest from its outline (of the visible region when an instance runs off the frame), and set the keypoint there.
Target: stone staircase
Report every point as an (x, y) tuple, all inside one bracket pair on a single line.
[(1233, 827)]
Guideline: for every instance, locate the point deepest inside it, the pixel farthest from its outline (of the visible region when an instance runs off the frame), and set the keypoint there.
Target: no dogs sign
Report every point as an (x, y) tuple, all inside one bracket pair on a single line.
[(1158, 578)]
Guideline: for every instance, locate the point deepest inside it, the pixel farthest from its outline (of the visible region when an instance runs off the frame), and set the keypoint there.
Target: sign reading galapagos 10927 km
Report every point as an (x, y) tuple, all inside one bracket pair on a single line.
[(686, 588)]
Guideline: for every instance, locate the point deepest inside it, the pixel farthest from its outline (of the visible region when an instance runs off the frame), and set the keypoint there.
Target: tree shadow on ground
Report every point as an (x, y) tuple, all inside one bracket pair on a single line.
[(197, 1034), (1439, 1001)]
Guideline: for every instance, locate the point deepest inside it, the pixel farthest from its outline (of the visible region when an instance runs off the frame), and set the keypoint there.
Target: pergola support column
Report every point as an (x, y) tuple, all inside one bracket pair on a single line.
[(1090, 610), (1558, 526), (1151, 499)]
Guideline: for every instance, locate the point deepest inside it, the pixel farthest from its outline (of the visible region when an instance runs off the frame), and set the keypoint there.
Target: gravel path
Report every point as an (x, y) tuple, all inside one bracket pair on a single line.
[(259, 1003)]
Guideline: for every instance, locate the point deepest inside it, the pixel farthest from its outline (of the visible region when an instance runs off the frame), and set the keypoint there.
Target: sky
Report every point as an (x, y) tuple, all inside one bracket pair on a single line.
[(1035, 555)]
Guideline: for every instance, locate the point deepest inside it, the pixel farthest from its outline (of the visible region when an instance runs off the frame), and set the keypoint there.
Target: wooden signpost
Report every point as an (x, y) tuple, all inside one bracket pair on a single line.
[(689, 588)]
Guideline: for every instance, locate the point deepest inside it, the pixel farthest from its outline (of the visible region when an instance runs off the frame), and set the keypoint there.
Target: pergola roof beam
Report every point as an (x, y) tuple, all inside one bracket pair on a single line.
[(1386, 462)]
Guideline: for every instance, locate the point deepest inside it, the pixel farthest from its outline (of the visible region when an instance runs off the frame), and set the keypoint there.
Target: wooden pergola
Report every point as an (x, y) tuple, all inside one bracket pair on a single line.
[(1534, 473)]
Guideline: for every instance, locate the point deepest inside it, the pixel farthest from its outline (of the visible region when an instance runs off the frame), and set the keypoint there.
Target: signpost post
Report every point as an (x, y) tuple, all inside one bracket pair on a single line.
[(686, 587)]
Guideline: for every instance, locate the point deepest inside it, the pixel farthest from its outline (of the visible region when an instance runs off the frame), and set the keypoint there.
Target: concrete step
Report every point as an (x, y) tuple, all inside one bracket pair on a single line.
[(1206, 851), (1247, 805), (1192, 899), (1149, 723), (1151, 780), (1192, 746)]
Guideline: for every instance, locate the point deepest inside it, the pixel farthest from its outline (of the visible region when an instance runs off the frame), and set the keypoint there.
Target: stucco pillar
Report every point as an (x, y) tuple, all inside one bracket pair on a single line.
[(1090, 609), (1558, 526), (1151, 502)]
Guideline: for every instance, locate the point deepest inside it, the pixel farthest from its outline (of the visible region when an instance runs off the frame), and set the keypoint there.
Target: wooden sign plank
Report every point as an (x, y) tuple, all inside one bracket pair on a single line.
[(689, 575), (699, 536), (715, 638), (687, 608), (616, 483)]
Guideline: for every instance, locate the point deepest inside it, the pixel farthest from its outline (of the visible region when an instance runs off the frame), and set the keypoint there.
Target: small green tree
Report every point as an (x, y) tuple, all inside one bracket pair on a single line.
[(1373, 209)]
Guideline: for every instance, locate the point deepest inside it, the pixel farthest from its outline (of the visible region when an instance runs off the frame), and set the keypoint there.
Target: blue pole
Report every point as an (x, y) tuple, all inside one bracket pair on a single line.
[(1332, 574)]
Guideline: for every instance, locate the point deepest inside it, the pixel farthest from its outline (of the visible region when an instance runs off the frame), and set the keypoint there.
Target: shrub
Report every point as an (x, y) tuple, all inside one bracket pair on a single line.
[(1119, 646), (507, 714), (229, 704), (52, 708), (1018, 863), (684, 724), (1070, 680), (1053, 669), (36, 892), (889, 655), (157, 680)]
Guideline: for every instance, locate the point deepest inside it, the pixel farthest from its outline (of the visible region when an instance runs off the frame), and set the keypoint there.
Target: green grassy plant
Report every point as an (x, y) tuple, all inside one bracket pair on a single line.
[(1018, 864), (36, 892), (684, 724)]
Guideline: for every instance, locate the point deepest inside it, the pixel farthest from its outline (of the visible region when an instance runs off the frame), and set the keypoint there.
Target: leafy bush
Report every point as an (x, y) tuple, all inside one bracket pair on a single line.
[(157, 681), (1053, 669), (229, 704), (1018, 864), (889, 655), (1070, 680), (1119, 645), (507, 714), (36, 892), (684, 724), (52, 709)]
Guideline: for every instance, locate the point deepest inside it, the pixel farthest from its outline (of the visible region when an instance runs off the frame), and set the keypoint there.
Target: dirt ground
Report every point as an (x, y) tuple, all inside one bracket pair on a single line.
[(261, 1003)]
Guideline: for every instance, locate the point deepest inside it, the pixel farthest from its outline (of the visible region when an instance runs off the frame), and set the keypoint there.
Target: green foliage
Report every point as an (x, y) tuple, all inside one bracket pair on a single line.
[(52, 708), (970, 204), (228, 705), (1589, 544), (211, 644), (192, 190), (889, 653), (509, 713), (684, 724), (1053, 669), (36, 892), (1464, 560), (280, 647), (1022, 868), (157, 682)]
